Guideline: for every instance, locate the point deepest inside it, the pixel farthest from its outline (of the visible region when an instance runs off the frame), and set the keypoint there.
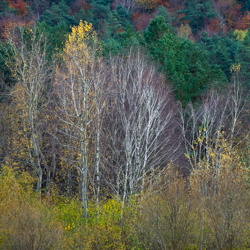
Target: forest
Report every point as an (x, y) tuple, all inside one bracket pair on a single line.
[(124, 124)]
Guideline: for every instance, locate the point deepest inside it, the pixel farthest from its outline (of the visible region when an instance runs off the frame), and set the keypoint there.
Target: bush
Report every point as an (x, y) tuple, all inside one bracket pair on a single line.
[(25, 222)]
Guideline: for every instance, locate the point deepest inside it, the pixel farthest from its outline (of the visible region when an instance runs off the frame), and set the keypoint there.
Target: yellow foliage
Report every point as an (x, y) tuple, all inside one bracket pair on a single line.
[(106, 227), (185, 31), (240, 34), (25, 222), (235, 68), (77, 47)]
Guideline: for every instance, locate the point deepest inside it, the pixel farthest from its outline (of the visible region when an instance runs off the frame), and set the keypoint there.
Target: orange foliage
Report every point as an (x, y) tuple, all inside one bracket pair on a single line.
[(229, 11), (79, 4), (147, 4), (135, 16), (10, 3), (152, 4), (121, 30), (184, 21), (164, 3), (19, 5), (143, 21), (8, 24), (213, 26), (243, 23)]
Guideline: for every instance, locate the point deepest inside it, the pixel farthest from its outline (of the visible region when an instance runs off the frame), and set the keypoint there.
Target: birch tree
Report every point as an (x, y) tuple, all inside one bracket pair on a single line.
[(78, 85), (142, 126), (212, 127), (209, 134), (32, 71)]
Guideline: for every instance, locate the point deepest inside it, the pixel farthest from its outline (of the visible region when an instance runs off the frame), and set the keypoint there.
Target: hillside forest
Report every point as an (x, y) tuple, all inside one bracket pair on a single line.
[(124, 124)]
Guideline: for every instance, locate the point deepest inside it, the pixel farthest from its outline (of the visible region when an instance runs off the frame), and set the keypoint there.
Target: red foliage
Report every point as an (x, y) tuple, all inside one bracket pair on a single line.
[(143, 21), (78, 5), (135, 16), (214, 26), (10, 3), (243, 23), (19, 5), (121, 30), (229, 11), (164, 3), (175, 5), (9, 23)]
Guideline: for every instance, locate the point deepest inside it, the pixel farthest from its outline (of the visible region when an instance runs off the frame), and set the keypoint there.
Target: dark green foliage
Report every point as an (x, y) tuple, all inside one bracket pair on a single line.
[(243, 58), (196, 12), (130, 38), (112, 25), (184, 63), (5, 74), (155, 30), (162, 11), (85, 16), (58, 13), (222, 50), (100, 12), (112, 33), (56, 37), (5, 10), (124, 16), (118, 38), (245, 5)]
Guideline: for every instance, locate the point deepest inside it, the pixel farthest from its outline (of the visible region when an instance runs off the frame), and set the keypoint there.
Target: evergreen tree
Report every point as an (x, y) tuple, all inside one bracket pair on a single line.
[(58, 13), (5, 9), (242, 58), (155, 30), (196, 12), (183, 62), (83, 15), (162, 11), (123, 15), (221, 49), (245, 5), (112, 25), (6, 78), (56, 37), (112, 33), (100, 13)]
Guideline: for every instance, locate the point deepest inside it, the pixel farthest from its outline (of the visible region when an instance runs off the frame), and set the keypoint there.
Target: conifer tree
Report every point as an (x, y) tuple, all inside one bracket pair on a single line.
[(196, 12)]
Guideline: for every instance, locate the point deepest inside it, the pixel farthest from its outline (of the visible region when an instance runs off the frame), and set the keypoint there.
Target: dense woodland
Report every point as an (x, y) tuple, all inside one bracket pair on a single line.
[(124, 124)]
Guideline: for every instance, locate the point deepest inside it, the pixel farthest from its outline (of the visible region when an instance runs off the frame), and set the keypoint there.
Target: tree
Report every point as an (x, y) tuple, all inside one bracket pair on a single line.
[(221, 49), (32, 72), (242, 59), (141, 124), (78, 87), (100, 10), (196, 12), (184, 64), (128, 5), (58, 13), (209, 133), (245, 5), (211, 128)]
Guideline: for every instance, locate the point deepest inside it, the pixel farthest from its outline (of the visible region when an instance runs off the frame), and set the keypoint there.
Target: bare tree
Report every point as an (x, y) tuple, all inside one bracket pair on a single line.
[(142, 129), (129, 5), (212, 127), (209, 135), (30, 67)]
